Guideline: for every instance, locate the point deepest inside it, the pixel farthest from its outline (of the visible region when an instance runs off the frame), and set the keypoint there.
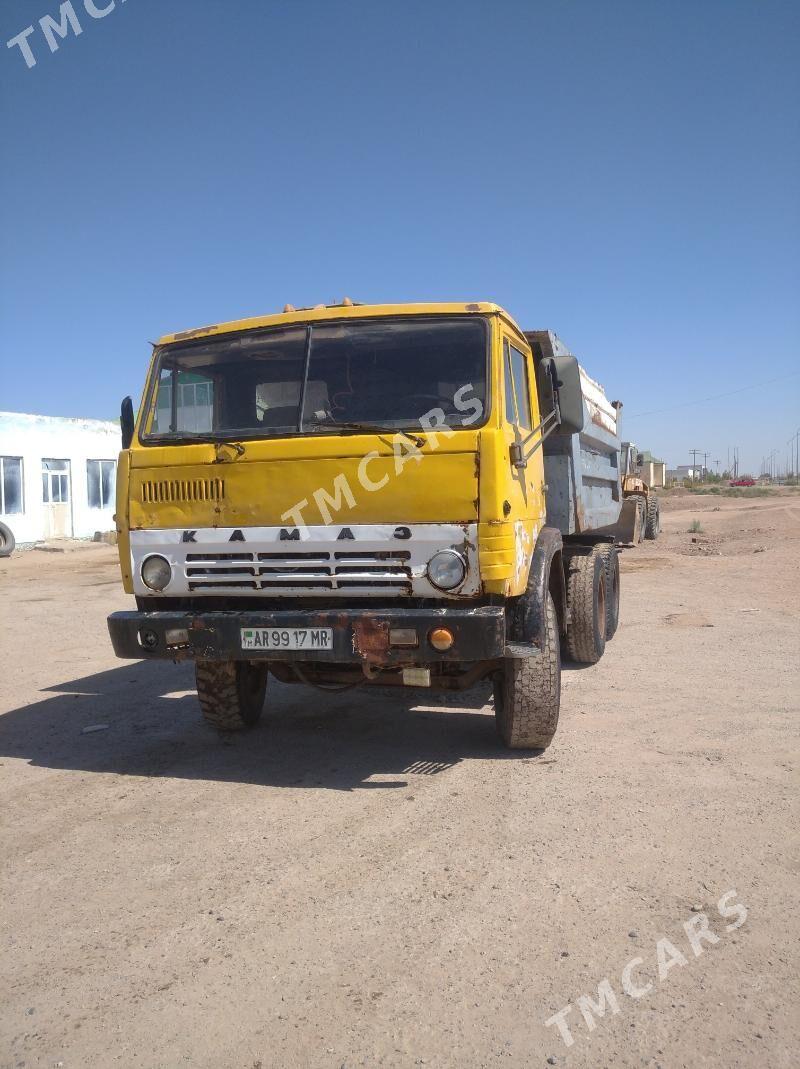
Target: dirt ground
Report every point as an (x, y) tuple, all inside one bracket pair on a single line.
[(368, 879)]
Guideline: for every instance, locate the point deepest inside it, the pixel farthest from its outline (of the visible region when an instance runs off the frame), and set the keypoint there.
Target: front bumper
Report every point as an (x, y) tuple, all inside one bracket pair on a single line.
[(359, 636)]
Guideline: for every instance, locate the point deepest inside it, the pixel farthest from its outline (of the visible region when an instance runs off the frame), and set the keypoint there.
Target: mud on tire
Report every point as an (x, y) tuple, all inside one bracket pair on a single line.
[(586, 598), (527, 692), (231, 693)]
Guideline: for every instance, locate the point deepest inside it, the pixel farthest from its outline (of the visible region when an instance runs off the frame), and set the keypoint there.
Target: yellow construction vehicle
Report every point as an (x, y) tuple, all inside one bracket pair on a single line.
[(641, 515), (409, 495)]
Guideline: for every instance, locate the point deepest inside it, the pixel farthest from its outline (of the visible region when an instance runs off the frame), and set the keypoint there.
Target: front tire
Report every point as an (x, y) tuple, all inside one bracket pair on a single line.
[(652, 527), (641, 520), (527, 692), (588, 613), (231, 693)]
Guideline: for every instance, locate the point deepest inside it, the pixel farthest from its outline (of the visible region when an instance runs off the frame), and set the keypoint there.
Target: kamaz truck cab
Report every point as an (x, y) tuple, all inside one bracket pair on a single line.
[(355, 494)]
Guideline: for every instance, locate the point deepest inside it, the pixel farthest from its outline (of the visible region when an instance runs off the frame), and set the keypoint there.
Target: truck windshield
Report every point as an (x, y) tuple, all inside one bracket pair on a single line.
[(308, 379)]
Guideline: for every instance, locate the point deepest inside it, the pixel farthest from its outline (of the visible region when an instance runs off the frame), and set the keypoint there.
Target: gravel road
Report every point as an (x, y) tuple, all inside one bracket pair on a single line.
[(368, 879)]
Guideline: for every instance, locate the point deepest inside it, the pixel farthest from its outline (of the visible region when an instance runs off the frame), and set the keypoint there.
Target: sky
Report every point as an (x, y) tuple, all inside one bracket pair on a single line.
[(623, 172)]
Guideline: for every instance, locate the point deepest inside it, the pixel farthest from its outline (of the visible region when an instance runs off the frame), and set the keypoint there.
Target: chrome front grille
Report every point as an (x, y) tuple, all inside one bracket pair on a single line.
[(315, 570), (330, 561)]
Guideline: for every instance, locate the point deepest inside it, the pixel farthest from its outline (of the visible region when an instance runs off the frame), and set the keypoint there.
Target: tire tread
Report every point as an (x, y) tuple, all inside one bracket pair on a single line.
[(582, 646), (653, 518), (528, 698), (221, 701)]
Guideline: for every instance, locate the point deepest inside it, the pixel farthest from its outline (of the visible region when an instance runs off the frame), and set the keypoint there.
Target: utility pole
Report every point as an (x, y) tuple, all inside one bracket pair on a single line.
[(771, 463), (794, 453), (705, 464), (695, 453)]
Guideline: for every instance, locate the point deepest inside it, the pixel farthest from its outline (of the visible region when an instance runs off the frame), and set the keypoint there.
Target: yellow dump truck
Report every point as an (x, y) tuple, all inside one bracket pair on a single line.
[(353, 494)]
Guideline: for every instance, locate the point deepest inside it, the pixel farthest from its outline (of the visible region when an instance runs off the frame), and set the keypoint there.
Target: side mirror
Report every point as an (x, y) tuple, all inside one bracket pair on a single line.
[(127, 422), (558, 379), (565, 376), (639, 459)]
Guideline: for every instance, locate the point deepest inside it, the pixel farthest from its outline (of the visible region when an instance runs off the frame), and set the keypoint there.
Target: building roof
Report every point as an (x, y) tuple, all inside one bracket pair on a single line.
[(29, 421)]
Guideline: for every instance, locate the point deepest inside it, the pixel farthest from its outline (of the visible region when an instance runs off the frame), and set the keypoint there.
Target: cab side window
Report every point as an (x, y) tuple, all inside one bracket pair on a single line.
[(508, 387), (517, 390)]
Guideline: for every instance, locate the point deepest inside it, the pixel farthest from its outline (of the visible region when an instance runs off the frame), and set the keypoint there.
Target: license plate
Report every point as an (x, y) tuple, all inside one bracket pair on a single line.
[(287, 638)]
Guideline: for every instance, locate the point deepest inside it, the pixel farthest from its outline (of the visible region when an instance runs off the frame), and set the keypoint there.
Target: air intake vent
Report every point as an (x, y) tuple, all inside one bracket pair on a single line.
[(169, 490)]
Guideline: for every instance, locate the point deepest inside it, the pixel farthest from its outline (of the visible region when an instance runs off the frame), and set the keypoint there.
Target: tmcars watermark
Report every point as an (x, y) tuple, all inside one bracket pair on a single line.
[(406, 446), (667, 956), (55, 28)]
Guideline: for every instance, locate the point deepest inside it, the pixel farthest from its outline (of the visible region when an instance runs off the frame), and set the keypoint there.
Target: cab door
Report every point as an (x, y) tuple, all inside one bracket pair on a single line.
[(526, 483)]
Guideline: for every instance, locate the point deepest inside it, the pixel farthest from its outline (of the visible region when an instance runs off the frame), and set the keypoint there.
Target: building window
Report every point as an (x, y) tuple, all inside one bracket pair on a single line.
[(101, 478), (11, 486), (55, 482), (194, 403)]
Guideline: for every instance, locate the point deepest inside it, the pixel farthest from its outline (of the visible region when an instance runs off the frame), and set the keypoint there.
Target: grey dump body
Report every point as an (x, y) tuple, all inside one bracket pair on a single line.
[(582, 471)]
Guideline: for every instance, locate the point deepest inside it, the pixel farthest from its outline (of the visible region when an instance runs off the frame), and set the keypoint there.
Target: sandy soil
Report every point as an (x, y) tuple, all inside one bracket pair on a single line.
[(369, 880)]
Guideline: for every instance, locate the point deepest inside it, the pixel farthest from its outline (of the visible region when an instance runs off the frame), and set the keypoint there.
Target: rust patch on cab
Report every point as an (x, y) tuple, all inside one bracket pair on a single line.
[(185, 335)]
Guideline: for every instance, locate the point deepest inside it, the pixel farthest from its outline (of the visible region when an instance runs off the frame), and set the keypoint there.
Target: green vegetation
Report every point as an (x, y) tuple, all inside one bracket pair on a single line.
[(695, 527)]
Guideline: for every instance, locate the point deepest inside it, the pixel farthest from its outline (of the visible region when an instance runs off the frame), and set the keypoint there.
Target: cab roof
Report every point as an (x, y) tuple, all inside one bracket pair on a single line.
[(347, 310)]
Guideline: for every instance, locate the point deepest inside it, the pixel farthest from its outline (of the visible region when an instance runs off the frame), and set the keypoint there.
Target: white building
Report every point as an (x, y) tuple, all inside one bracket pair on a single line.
[(57, 476)]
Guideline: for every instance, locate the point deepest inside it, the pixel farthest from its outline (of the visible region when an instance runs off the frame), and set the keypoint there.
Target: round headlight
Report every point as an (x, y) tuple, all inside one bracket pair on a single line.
[(447, 569), (156, 572)]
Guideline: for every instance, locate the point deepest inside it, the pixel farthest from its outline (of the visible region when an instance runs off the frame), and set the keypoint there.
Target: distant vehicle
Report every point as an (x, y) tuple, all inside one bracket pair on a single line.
[(745, 481)]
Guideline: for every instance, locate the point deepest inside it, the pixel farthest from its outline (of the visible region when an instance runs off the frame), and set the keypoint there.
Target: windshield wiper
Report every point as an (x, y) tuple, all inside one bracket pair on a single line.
[(214, 439), (370, 428), (188, 436)]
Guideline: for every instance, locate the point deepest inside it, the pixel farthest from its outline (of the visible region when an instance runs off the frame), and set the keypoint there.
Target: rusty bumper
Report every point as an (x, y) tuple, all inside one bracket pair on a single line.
[(358, 636)]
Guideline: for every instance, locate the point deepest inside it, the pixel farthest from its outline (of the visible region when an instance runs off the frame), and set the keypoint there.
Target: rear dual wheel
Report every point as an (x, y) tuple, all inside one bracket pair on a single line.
[(611, 556), (587, 597)]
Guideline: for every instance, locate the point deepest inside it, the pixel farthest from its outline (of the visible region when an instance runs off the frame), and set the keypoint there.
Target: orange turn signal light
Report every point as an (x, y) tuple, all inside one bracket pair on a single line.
[(441, 639)]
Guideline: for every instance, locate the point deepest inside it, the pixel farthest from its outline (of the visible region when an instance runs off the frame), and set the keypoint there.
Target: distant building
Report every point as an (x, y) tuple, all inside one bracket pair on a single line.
[(686, 471), (57, 476), (654, 471)]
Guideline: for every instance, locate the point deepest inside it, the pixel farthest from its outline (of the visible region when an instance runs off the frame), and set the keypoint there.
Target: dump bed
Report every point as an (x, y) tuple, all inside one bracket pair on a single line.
[(581, 470)]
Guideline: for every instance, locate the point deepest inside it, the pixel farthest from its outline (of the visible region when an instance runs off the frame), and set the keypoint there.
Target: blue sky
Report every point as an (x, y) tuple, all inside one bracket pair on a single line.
[(625, 173)]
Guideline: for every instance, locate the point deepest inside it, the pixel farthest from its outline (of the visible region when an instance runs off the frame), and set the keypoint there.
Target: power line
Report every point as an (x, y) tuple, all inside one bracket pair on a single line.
[(714, 397)]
